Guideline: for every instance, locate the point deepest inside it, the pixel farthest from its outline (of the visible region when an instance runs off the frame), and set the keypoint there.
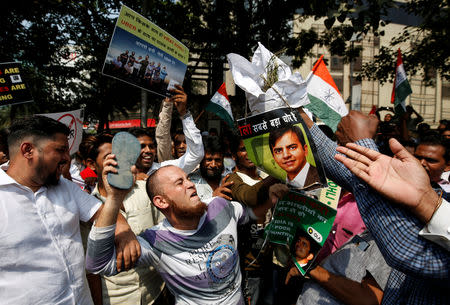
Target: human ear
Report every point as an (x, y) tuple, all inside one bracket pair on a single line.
[(26, 149), (160, 202)]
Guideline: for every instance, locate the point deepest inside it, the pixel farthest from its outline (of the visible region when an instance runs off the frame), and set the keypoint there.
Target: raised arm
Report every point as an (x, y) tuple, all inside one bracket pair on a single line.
[(404, 181), (395, 230), (162, 132), (194, 151)]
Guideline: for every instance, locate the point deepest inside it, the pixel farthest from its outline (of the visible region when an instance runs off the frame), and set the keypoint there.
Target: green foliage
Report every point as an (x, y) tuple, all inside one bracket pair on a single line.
[(429, 42)]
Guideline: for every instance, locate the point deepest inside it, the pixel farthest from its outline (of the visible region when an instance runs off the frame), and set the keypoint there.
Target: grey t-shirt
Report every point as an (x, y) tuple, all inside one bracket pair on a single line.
[(354, 260)]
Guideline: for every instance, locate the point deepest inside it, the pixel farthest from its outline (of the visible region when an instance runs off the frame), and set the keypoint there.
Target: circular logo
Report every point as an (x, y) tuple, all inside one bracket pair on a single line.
[(221, 262), (70, 121)]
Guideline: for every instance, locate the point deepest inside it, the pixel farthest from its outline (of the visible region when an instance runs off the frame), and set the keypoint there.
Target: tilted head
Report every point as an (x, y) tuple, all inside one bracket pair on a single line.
[(174, 194)]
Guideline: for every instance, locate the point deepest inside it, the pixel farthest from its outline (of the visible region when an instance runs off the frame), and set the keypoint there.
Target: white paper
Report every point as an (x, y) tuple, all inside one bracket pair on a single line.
[(289, 90)]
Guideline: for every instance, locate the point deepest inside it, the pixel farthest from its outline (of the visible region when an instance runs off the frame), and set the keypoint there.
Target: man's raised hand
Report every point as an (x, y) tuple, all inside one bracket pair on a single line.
[(179, 98), (223, 190), (401, 179)]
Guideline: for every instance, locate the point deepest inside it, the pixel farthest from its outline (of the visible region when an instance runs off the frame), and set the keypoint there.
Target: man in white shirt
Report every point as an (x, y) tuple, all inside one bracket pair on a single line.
[(42, 254), (194, 151), (289, 150)]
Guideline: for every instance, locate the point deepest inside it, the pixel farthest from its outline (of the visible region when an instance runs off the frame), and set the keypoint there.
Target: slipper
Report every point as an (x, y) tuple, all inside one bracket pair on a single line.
[(127, 150)]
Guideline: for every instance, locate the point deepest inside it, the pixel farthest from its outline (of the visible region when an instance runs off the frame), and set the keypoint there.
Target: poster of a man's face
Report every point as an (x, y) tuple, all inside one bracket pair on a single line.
[(289, 150), (279, 142)]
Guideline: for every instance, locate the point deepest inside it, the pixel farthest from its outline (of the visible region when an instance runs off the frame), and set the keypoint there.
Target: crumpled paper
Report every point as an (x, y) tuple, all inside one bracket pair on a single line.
[(290, 87)]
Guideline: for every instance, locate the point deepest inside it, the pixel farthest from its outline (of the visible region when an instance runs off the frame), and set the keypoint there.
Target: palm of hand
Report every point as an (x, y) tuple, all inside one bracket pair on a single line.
[(389, 175)]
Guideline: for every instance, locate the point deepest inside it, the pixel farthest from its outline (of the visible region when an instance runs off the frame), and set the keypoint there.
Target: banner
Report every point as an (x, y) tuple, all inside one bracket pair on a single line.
[(74, 120), (302, 224), (144, 55), (279, 142), (13, 89)]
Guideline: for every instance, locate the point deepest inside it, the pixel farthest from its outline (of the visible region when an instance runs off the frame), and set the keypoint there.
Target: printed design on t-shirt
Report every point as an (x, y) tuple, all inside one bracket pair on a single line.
[(222, 260)]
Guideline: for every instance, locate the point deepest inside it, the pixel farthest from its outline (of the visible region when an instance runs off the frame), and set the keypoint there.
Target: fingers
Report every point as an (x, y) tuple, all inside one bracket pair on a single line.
[(398, 150), (357, 168), (109, 165), (352, 154), (223, 192), (127, 262), (119, 257), (225, 196), (224, 179)]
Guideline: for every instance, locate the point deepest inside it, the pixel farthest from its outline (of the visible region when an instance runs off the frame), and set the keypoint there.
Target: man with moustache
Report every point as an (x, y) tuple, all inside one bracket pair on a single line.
[(208, 178), (194, 150), (42, 253), (194, 249), (433, 152)]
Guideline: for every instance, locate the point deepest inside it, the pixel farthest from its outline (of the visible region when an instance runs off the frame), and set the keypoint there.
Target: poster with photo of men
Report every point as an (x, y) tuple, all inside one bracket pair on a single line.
[(144, 55)]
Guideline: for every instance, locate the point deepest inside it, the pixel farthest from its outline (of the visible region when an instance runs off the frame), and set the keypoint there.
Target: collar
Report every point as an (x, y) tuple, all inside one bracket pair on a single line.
[(299, 180), (6, 179)]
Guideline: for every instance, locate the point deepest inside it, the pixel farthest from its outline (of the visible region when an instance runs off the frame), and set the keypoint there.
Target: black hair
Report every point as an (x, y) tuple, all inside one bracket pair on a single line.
[(278, 133), (140, 132), (433, 139), (39, 127), (92, 144)]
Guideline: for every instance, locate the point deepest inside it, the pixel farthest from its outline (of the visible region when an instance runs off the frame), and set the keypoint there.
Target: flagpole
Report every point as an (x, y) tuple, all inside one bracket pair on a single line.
[(198, 117)]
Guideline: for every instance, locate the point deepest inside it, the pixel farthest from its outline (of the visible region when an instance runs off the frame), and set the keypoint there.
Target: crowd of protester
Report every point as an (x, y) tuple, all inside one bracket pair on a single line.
[(191, 229)]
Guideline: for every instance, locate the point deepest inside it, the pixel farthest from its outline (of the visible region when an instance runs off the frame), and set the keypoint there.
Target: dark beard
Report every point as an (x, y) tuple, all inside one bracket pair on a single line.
[(214, 174), (183, 212), (51, 179)]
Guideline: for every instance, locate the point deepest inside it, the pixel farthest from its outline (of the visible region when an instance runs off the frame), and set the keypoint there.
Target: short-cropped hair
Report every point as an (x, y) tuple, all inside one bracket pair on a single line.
[(39, 127)]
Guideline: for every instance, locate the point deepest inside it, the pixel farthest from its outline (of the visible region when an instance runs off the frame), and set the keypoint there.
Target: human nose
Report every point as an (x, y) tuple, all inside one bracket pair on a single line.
[(189, 183), (286, 153)]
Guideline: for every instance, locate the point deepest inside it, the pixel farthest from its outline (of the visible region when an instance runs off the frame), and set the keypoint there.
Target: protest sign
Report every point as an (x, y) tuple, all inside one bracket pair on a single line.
[(74, 120), (144, 55), (12, 87), (279, 142), (302, 224)]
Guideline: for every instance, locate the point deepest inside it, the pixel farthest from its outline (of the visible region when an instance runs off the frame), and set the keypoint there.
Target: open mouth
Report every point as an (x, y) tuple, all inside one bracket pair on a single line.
[(194, 194), (147, 158)]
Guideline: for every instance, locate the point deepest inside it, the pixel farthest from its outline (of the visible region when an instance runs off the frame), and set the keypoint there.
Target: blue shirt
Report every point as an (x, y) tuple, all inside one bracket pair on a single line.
[(420, 272)]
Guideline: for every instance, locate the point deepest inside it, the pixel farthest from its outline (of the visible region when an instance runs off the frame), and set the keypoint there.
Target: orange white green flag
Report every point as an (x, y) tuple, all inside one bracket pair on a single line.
[(325, 100), (220, 105), (401, 89)]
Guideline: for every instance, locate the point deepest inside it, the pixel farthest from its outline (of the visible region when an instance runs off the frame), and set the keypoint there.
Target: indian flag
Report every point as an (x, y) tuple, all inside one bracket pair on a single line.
[(326, 101), (401, 88), (220, 105)]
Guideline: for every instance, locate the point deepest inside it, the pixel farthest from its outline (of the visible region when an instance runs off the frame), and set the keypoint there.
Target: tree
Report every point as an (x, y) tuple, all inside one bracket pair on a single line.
[(346, 18)]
